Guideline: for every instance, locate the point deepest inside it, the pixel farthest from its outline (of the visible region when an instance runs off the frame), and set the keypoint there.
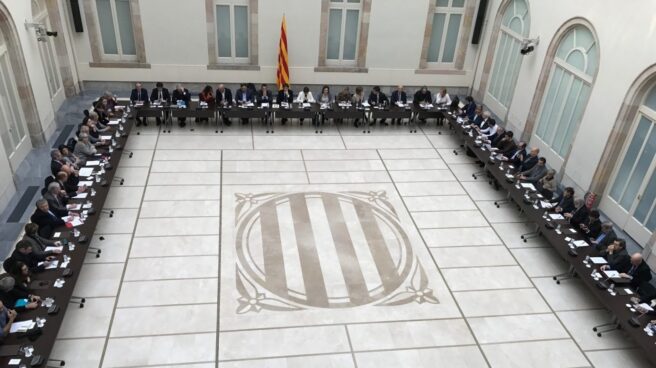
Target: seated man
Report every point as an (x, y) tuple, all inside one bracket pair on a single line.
[(7, 317), (516, 155), (565, 201), (68, 187), (547, 185), (223, 99), (442, 98), (181, 94), (616, 256), (38, 243), (398, 96), (56, 202), (639, 272), (591, 228), (535, 173), (46, 219), (377, 98), (139, 95), (490, 130), (530, 160), (605, 238), (264, 99), (161, 95), (24, 253), (244, 96), (579, 215), (285, 96), (57, 162), (469, 110), (84, 149), (478, 116)]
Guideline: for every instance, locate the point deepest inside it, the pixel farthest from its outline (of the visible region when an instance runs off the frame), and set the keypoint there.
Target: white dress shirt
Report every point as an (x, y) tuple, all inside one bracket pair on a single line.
[(301, 97), (442, 100)]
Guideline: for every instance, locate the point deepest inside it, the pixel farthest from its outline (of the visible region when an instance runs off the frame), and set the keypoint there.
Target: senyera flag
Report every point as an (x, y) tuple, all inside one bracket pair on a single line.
[(282, 76)]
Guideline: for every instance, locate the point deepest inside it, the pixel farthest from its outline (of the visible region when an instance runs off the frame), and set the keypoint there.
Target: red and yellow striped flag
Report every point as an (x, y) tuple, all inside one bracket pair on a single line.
[(282, 76)]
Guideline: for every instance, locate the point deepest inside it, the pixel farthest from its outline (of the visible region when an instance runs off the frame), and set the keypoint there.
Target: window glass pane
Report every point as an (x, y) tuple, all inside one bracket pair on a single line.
[(647, 200), (565, 46), (223, 30), (107, 32), (451, 40), (351, 34), (640, 171), (516, 25), (577, 60), (443, 3), (554, 122), (496, 74), (334, 33), (593, 60), (548, 103), (241, 31), (353, 1), (18, 130), (124, 20), (650, 101), (577, 115), (629, 158), (5, 114), (567, 122), (512, 72), (458, 3), (436, 37)]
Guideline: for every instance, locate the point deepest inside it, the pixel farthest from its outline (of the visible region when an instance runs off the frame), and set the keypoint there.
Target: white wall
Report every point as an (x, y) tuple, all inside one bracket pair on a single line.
[(179, 54)]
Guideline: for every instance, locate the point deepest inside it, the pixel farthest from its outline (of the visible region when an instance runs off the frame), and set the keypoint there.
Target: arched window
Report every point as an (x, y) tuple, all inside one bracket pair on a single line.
[(633, 191), (515, 26), (12, 122), (570, 81)]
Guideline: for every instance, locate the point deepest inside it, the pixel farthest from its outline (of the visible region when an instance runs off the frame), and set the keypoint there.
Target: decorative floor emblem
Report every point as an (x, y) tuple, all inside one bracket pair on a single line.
[(324, 250)]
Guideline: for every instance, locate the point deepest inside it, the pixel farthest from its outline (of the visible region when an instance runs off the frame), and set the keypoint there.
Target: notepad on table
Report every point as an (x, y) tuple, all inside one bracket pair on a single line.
[(598, 260), (556, 216), (22, 326), (86, 171), (81, 196)]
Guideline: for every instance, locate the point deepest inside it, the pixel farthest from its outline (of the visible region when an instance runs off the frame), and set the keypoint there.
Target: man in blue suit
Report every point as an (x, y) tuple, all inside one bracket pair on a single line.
[(139, 94)]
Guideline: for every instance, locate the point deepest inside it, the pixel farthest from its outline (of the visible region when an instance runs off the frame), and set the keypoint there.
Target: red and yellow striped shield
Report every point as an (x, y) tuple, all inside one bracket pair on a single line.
[(282, 76)]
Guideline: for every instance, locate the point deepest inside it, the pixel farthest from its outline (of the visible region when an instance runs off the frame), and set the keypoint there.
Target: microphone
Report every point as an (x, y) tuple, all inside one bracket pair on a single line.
[(119, 179), (108, 211)]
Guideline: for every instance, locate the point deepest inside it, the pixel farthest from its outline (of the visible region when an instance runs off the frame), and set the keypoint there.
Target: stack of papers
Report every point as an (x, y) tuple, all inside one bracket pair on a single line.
[(113, 122), (598, 260), (528, 186), (93, 163), (611, 274), (81, 196), (306, 104), (581, 243), (22, 326), (86, 171), (59, 248), (545, 204), (556, 216), (73, 207)]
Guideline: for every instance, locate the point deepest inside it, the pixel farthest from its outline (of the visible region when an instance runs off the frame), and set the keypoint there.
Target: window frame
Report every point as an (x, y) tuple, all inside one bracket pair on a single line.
[(119, 56), (448, 11), (344, 6), (232, 59)]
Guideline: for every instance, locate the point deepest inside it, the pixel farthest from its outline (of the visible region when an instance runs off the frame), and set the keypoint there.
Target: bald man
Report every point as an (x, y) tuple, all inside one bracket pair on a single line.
[(638, 272)]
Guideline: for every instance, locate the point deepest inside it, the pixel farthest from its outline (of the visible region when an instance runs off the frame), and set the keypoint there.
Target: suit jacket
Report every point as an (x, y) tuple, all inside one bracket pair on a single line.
[(606, 241), (166, 96), (31, 260), (507, 148), (240, 95), (640, 274), (517, 157), (594, 229), (470, 110), (420, 97), (225, 96), (379, 99), (288, 99), (264, 97), (182, 96), (478, 120), (136, 96), (39, 244), (619, 261), (579, 216), (47, 222), (55, 166), (396, 97), (535, 173), (56, 204), (566, 204), (528, 163)]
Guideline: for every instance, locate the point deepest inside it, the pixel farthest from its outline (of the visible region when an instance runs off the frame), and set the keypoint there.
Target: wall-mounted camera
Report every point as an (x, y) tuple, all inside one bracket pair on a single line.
[(40, 31), (528, 45)]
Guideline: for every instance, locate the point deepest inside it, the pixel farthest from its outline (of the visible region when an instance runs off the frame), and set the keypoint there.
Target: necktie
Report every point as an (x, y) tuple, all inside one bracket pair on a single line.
[(160, 95), (632, 270)]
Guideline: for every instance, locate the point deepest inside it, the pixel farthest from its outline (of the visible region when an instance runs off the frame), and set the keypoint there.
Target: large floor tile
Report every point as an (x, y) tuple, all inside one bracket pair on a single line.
[(114, 248), (140, 158), (317, 361), (213, 142), (500, 302), (517, 328), (540, 261), (325, 177), (182, 192), (456, 257), (403, 141), (408, 176), (442, 141), (262, 155), (459, 237), (580, 323), (132, 176), (452, 357), (122, 222), (263, 166), (414, 164), (298, 142), (177, 226), (449, 219), (429, 189), (159, 209), (142, 141), (168, 292), (506, 213), (511, 233), (167, 246), (88, 322), (341, 154), (171, 268), (410, 153), (99, 280), (123, 197), (170, 350), (282, 342), (547, 354), (187, 154), (345, 165), (415, 334), (168, 320), (79, 353), (625, 358), (185, 167), (439, 203), (482, 191), (164, 178), (568, 295), (450, 158), (464, 172), (484, 278), (262, 177)]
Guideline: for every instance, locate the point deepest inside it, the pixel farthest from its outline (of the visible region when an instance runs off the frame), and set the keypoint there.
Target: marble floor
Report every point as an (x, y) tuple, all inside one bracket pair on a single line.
[(246, 249)]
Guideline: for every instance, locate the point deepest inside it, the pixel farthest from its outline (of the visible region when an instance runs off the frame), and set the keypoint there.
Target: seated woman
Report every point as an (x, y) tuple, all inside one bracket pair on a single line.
[(207, 96)]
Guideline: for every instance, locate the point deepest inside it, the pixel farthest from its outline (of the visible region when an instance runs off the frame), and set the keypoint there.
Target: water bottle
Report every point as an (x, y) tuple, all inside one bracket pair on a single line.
[(546, 213), (558, 228)]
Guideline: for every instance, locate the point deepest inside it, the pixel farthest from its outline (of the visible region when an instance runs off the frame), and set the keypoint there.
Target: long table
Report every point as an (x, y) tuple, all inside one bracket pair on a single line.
[(63, 297), (618, 304)]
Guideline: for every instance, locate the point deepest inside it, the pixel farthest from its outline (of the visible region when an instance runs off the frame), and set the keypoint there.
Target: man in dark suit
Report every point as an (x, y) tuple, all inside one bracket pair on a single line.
[(565, 201), (56, 202), (244, 96), (530, 160), (161, 95), (592, 226), (638, 272), (57, 162), (377, 98), (285, 95), (398, 96), (579, 215), (478, 116), (617, 256), (264, 96), (48, 220), (181, 94), (516, 157), (422, 96), (223, 98), (606, 237), (23, 253), (139, 95)]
